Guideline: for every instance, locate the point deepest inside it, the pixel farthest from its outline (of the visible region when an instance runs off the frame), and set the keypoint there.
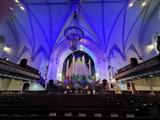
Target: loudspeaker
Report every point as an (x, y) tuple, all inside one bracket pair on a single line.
[(128, 84), (158, 43), (50, 85), (112, 86), (1, 42), (26, 87), (23, 62), (158, 37), (104, 83), (133, 62), (2, 39)]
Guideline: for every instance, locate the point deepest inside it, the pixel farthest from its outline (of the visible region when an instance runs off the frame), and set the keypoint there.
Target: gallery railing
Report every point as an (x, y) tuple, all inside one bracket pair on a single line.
[(150, 67), (11, 70)]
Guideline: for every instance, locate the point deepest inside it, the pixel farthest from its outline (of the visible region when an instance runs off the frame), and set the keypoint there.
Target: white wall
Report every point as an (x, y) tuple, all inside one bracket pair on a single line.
[(11, 84), (16, 85), (4, 83), (35, 87), (142, 84)]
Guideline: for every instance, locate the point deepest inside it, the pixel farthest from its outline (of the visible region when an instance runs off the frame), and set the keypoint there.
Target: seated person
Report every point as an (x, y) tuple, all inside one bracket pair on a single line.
[(51, 86)]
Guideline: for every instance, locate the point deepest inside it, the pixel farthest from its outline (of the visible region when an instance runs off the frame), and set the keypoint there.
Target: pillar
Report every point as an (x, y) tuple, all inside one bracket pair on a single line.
[(150, 85)]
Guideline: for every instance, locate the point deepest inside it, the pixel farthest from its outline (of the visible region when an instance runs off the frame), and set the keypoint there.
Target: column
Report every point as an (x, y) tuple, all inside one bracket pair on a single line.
[(131, 87), (150, 85)]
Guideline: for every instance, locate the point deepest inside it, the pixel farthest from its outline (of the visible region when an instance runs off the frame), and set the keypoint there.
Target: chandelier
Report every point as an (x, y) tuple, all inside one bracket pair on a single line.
[(73, 33)]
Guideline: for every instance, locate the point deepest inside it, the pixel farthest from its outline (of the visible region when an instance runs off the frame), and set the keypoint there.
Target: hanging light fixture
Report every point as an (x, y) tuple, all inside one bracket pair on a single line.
[(74, 33)]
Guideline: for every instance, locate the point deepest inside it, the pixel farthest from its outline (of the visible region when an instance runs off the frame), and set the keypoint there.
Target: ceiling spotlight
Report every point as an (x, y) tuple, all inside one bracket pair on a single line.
[(7, 49), (151, 46), (131, 4), (81, 46), (11, 8), (22, 8), (143, 4), (97, 74), (17, 1)]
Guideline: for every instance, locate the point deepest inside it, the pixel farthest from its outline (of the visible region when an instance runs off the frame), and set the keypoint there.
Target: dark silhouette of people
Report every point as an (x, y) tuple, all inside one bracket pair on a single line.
[(26, 87), (50, 85)]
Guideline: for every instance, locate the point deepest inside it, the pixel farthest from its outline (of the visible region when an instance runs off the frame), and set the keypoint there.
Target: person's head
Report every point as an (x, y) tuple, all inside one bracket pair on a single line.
[(51, 82)]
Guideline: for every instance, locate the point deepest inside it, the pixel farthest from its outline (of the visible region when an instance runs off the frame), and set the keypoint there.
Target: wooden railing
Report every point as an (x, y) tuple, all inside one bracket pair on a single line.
[(149, 67), (11, 70)]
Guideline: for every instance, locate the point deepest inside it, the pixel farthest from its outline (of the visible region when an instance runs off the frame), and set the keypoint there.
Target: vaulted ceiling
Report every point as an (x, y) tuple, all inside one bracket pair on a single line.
[(113, 26)]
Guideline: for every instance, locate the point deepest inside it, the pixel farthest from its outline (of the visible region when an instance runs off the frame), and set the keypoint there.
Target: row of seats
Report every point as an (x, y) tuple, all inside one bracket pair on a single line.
[(103, 106)]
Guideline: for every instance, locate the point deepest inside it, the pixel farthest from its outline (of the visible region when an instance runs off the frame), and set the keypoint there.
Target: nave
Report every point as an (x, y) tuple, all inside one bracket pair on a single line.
[(79, 59)]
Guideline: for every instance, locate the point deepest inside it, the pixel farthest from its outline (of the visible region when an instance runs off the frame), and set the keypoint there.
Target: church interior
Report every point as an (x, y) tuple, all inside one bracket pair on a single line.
[(79, 59)]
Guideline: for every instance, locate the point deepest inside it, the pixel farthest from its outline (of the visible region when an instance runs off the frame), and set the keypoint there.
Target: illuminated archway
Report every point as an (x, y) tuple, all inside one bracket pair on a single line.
[(65, 54), (56, 64)]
